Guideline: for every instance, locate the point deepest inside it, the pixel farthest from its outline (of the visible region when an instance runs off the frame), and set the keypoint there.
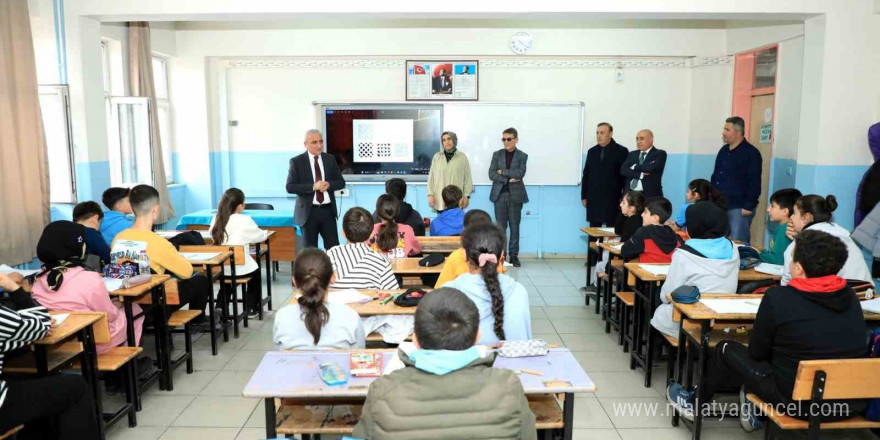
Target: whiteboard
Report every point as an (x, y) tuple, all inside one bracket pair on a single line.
[(552, 134)]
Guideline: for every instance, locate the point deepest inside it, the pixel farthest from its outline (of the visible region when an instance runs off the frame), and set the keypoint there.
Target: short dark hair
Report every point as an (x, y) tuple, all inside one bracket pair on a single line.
[(85, 210), (785, 198), (446, 319), (451, 196), (143, 198), (738, 123), (512, 131), (636, 199), (610, 128), (113, 195), (819, 253), (396, 187), (357, 224), (660, 207), (476, 217)]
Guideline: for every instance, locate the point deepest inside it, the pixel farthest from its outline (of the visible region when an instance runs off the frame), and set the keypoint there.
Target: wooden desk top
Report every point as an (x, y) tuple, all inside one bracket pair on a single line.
[(74, 323), (642, 274), (752, 275), (206, 235), (296, 375), (443, 245), (141, 289), (744, 275), (375, 307), (598, 232), (700, 312), (216, 261), (609, 246), (410, 266)]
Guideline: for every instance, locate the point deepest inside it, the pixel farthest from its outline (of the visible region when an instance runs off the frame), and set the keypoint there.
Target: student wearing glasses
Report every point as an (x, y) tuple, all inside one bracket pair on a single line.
[(507, 170)]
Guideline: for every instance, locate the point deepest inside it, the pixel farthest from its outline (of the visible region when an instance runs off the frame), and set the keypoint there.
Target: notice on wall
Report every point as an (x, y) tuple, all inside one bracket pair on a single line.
[(442, 80), (766, 129)]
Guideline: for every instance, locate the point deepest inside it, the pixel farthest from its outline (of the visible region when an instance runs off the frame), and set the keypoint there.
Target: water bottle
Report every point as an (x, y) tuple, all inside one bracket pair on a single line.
[(143, 263)]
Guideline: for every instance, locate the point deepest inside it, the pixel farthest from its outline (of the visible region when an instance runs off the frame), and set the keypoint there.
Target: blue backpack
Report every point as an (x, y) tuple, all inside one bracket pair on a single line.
[(873, 411)]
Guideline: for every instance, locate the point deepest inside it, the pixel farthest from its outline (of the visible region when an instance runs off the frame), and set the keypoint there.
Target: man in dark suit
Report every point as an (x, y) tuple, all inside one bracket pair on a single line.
[(441, 83), (506, 170), (313, 177), (643, 168), (602, 184)]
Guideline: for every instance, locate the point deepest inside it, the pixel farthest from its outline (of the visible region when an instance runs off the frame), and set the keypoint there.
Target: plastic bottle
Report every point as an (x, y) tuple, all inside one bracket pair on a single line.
[(143, 263)]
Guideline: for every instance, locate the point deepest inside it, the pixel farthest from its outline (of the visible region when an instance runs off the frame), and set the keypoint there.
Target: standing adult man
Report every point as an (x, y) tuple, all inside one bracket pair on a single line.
[(643, 168), (506, 170), (313, 177), (602, 184), (738, 175)]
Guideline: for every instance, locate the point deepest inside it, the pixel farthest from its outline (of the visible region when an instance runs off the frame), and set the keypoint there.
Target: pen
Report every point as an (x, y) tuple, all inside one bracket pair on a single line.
[(524, 371)]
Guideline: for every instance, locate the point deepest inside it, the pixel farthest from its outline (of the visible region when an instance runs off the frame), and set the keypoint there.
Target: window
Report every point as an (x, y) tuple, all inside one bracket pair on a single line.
[(55, 107), (131, 161), (160, 83), (765, 68)]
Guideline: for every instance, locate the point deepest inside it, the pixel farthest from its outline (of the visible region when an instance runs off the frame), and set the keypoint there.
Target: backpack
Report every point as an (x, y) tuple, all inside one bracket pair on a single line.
[(872, 413)]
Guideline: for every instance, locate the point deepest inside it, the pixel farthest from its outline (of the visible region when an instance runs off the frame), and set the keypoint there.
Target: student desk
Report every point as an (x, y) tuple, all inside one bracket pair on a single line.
[(604, 287), (54, 352), (704, 339), (647, 292), (410, 267), (594, 234), (209, 266), (156, 289), (285, 243), (295, 375), (439, 245)]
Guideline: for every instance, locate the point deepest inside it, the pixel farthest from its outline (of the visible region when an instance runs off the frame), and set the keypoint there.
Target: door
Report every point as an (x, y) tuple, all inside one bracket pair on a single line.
[(761, 136)]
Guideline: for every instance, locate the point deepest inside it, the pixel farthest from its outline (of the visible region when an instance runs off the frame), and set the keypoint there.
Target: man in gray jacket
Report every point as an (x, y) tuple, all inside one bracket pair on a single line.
[(506, 170)]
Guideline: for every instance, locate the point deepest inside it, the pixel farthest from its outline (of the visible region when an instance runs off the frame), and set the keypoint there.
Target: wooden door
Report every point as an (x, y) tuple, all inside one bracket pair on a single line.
[(761, 136)]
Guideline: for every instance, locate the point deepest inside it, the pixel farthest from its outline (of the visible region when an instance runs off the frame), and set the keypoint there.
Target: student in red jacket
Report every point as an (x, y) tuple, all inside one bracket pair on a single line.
[(654, 242)]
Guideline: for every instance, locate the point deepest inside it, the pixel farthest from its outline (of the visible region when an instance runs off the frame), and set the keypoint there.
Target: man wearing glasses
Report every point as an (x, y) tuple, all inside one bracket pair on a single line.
[(506, 170)]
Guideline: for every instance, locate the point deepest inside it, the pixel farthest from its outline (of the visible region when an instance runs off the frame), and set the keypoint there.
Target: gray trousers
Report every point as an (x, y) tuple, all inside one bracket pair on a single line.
[(509, 212)]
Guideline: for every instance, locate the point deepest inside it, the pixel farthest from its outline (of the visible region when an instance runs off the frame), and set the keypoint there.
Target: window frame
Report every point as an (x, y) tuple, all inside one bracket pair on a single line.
[(64, 91), (164, 104)]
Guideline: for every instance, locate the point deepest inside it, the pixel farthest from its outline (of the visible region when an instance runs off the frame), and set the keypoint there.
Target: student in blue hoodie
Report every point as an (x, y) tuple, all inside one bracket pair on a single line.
[(450, 221), (90, 215), (115, 220), (502, 301)]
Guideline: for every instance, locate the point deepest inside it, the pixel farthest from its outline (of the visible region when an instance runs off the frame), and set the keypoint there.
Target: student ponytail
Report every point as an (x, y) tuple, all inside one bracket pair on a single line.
[(708, 193), (483, 245), (821, 208), (312, 272), (387, 207), (232, 198)]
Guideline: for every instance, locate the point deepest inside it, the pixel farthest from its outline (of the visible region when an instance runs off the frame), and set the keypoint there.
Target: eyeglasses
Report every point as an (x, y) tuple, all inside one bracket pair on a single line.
[(507, 139)]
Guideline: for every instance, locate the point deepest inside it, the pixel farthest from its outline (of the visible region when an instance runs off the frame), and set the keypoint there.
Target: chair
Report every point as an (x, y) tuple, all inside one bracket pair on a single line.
[(11, 434), (263, 207)]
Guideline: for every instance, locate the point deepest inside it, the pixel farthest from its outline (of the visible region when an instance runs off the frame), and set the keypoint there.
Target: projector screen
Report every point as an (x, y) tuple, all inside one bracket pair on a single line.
[(371, 142)]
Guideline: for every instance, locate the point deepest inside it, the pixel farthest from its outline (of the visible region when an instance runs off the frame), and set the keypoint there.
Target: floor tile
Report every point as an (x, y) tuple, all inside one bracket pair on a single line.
[(217, 411), (583, 326), (588, 413), (542, 326), (551, 338), (227, 383), (604, 363), (670, 433), (161, 409), (183, 433), (582, 312), (245, 360), (637, 412), (564, 301), (121, 431), (559, 291), (253, 434), (595, 342), (186, 384), (257, 418), (203, 360), (621, 384), (537, 312), (594, 434), (555, 280)]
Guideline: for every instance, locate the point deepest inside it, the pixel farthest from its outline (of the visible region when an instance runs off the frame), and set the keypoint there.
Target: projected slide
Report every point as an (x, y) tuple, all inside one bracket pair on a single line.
[(382, 140)]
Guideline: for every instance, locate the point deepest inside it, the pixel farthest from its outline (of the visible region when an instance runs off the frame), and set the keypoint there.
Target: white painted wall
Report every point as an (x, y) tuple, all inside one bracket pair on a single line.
[(711, 95), (42, 20), (742, 39), (789, 82)]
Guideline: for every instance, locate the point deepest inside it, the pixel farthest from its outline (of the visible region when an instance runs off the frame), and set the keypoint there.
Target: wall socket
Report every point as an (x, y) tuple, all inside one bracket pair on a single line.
[(618, 76), (344, 192)]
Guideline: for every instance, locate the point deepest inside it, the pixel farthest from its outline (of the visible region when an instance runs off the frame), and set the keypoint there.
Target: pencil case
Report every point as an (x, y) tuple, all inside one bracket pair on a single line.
[(532, 347)]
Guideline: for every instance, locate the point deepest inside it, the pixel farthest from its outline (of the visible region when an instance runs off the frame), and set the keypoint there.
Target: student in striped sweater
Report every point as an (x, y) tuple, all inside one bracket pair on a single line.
[(356, 265), (64, 397)]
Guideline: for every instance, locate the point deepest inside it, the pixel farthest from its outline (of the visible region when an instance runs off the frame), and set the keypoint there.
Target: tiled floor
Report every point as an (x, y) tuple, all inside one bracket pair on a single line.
[(208, 403)]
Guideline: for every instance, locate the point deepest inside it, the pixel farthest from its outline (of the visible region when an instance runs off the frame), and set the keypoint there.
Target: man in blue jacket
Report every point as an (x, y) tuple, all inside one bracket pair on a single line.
[(738, 175)]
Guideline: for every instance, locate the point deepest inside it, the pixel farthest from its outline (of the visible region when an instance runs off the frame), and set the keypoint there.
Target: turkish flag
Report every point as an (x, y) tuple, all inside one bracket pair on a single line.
[(418, 70)]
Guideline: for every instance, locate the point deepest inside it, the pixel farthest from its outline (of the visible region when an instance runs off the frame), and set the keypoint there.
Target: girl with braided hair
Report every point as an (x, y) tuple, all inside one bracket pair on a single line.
[(313, 323), (502, 301)]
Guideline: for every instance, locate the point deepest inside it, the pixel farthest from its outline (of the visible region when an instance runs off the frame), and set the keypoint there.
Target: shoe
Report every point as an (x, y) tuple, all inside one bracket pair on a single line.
[(253, 314), (112, 386), (682, 400), (145, 368), (748, 417), (515, 262)]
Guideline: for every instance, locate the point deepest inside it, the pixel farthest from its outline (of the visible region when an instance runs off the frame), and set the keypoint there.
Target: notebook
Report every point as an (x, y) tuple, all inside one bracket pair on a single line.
[(769, 269), (740, 306), (656, 269)]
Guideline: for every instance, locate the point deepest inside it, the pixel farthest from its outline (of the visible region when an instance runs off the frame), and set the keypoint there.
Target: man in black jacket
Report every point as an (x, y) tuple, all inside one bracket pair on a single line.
[(602, 184), (406, 214), (313, 177), (643, 168)]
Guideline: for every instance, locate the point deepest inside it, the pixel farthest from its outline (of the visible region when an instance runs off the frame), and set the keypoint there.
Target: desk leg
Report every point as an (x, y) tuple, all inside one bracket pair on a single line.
[(89, 368), (270, 417), (269, 280), (679, 361), (704, 368), (638, 307), (161, 302), (234, 291), (212, 318), (130, 339), (649, 347), (568, 416), (42, 360)]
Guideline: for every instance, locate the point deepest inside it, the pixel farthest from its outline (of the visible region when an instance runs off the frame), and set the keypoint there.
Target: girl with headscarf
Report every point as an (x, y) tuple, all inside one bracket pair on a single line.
[(65, 285)]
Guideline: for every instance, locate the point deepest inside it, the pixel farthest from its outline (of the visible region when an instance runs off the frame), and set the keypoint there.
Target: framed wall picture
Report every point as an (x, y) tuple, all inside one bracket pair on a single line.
[(446, 80)]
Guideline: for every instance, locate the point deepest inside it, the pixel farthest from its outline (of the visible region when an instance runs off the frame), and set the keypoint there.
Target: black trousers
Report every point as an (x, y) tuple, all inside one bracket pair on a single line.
[(254, 290), (508, 212), (731, 366), (322, 220), (64, 398)]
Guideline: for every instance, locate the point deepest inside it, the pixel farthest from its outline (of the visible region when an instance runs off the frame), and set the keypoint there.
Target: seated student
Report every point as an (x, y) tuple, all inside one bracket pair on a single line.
[(503, 302), (630, 219), (115, 220), (89, 214), (65, 285), (697, 190), (192, 288), (815, 213), (313, 323), (780, 210), (446, 389), (449, 221), (456, 263), (64, 398), (355, 265), (817, 316), (708, 261), (231, 227), (390, 238), (654, 242), (406, 214)]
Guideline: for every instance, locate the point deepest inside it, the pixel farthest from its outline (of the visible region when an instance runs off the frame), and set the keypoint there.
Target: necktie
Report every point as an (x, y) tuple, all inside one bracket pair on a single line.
[(318, 177), (642, 157), (635, 182)]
